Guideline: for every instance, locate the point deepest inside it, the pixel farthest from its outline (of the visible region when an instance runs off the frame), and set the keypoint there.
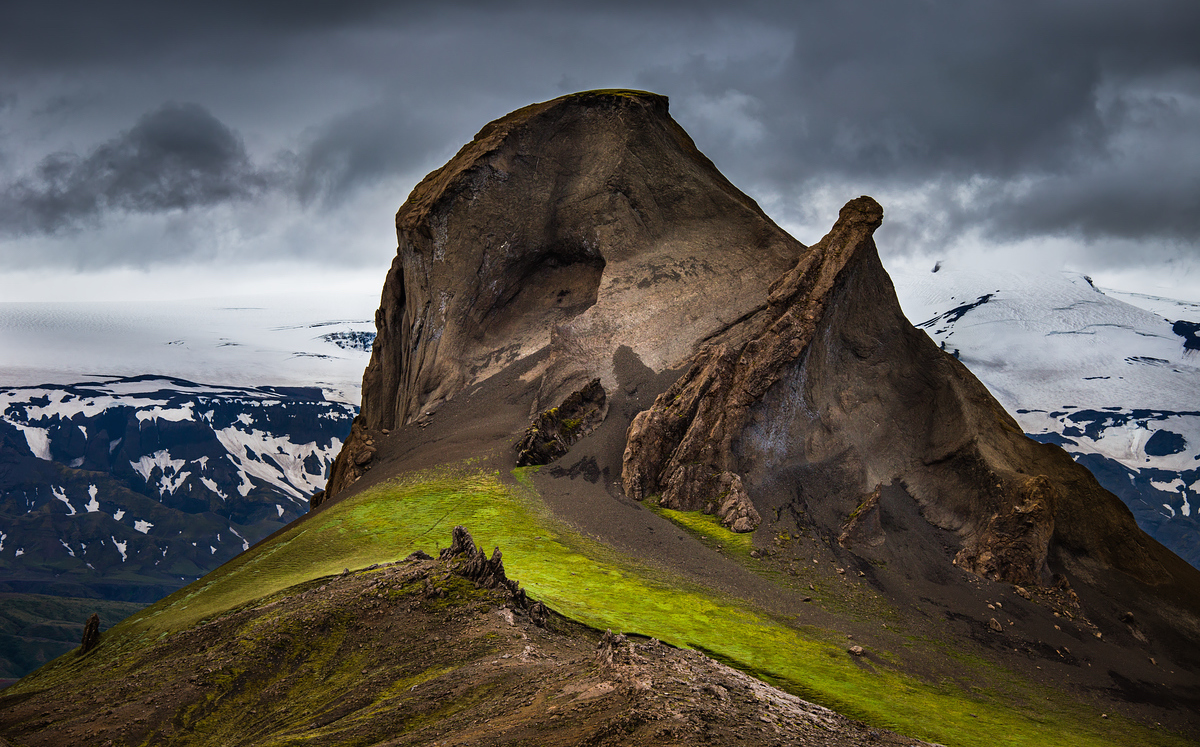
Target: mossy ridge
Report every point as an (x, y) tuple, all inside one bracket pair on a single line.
[(591, 583)]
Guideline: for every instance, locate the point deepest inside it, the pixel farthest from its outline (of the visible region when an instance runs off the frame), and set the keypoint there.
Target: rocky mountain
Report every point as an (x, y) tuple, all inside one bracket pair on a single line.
[(1113, 384), (680, 423), (126, 489)]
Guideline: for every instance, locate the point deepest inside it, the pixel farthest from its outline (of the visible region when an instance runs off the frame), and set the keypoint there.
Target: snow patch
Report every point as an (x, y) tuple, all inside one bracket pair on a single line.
[(61, 494), (245, 543), (170, 478), (92, 505), (211, 484), (120, 547), (1168, 487), (20, 551), (120, 512), (69, 550), (173, 415), (142, 526), (37, 438), (245, 419), (212, 550), (279, 508), (3, 537)]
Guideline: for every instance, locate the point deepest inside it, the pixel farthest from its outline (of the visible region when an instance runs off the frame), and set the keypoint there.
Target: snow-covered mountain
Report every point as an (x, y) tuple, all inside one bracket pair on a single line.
[(122, 479), (1112, 377), (131, 487)]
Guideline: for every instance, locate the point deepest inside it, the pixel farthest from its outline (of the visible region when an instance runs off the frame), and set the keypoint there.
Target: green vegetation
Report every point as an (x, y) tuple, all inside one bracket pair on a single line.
[(593, 584), (707, 528)]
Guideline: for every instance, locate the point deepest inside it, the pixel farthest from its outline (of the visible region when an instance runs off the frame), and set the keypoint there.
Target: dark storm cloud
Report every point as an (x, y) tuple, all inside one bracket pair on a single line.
[(940, 94), (364, 146), (175, 158), (1011, 119)]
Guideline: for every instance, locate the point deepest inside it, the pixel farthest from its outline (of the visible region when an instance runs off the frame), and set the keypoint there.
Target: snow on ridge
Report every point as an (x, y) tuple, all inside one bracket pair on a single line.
[(92, 505), (175, 415), (279, 461), (61, 494), (37, 438)]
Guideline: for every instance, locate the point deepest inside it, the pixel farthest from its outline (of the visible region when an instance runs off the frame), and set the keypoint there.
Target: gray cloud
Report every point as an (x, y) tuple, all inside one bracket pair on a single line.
[(1013, 120), (176, 157), (362, 147), (1051, 107)]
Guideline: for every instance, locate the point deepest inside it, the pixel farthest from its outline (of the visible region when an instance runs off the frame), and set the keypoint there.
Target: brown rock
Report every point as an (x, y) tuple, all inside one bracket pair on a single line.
[(683, 447), (91, 634), (554, 431)]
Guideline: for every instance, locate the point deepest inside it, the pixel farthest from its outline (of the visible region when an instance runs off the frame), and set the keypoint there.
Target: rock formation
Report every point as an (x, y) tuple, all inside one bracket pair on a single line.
[(568, 228), (91, 634)]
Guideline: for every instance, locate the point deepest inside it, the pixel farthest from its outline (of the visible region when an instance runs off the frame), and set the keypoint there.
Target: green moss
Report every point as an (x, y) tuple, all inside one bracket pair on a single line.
[(708, 529)]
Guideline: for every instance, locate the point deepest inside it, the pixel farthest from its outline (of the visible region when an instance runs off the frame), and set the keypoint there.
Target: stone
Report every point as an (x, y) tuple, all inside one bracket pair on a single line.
[(554, 431), (91, 634)]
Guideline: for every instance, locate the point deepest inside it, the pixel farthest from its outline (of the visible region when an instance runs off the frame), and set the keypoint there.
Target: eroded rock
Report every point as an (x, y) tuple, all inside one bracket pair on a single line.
[(554, 431), (682, 447), (91, 634)]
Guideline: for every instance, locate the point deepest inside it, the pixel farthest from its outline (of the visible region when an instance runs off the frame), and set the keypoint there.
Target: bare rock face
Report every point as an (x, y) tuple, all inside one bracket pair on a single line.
[(91, 634), (570, 228), (554, 431), (683, 447)]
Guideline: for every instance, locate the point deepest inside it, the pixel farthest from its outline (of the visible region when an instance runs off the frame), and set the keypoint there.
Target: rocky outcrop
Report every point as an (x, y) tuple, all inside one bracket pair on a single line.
[(91, 634), (683, 447), (554, 431), (568, 228), (352, 461), (469, 561), (1014, 543)]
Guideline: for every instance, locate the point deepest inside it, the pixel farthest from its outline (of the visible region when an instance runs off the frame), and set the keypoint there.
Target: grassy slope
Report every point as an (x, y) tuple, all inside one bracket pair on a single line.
[(593, 584)]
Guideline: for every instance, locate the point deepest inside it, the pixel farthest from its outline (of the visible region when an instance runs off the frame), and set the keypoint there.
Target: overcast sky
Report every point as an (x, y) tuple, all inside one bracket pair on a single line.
[(237, 147)]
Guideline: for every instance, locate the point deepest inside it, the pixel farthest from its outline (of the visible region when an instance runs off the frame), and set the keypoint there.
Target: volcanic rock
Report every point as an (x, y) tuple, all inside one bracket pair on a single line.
[(568, 228), (91, 634)]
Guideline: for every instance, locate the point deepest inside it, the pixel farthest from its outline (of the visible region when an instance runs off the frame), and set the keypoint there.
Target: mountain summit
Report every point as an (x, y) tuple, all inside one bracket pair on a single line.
[(680, 423)]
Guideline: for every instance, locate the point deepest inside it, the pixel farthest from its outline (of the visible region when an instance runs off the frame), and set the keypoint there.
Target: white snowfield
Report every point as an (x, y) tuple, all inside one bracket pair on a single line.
[(1105, 370), (274, 341)]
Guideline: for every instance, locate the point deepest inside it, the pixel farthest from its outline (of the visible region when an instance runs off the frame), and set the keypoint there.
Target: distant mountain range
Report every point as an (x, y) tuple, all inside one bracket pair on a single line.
[(126, 489), (116, 490), (1112, 377)]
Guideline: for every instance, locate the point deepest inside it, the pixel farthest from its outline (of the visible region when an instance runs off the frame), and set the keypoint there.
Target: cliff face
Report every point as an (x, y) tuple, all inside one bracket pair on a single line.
[(543, 231), (570, 228)]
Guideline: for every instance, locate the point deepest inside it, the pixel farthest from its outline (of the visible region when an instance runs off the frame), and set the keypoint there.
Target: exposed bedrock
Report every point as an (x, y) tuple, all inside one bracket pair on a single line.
[(574, 227), (581, 224), (809, 407)]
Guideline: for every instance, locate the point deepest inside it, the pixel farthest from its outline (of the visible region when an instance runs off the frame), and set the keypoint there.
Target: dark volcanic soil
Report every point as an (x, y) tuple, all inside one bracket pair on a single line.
[(414, 653)]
